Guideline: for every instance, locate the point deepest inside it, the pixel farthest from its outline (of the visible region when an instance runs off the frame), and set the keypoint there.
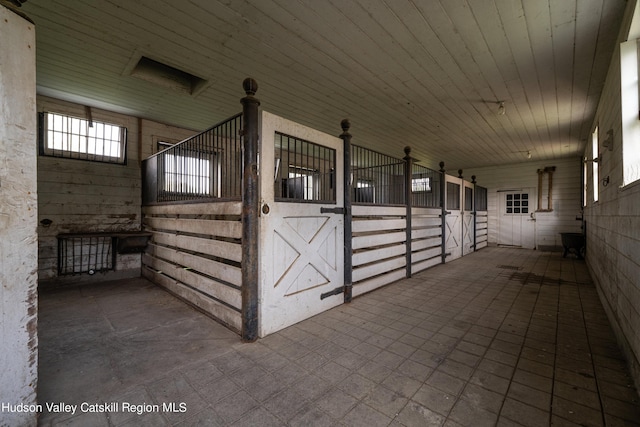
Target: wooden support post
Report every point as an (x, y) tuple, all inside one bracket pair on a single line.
[(408, 175), (348, 230), (475, 213), (443, 207), (250, 210)]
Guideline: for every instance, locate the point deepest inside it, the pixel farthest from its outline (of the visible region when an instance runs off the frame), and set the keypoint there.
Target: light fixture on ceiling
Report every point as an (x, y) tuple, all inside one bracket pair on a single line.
[(500, 108)]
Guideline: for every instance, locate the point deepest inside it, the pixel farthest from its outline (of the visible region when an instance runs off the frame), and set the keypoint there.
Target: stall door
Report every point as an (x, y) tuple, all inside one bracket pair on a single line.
[(468, 219), (453, 218), (516, 218), (302, 223)]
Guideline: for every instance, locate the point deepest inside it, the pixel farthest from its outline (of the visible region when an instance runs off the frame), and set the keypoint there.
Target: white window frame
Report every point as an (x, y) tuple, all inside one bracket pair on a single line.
[(630, 102), (595, 168), (66, 136)]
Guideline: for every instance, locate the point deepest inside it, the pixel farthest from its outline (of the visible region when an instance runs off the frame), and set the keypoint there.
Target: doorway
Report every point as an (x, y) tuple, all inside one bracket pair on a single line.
[(516, 218)]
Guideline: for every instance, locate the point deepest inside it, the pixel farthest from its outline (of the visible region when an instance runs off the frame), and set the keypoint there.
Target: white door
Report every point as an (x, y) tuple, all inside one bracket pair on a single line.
[(516, 218), (468, 218), (453, 218), (302, 224)]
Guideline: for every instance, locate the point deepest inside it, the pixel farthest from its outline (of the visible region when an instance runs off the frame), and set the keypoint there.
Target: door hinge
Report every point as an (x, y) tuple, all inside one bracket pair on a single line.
[(332, 210), (336, 291)]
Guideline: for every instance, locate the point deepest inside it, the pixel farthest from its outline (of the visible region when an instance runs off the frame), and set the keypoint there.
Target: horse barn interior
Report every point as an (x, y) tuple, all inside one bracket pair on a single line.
[(368, 212)]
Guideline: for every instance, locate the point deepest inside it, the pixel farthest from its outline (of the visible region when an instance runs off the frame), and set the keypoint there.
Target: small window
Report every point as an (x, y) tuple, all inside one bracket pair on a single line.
[(75, 138), (422, 184), (517, 203), (630, 102), (594, 151)]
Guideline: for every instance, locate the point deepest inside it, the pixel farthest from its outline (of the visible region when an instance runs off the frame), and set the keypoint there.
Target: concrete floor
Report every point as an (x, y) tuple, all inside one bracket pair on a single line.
[(500, 337)]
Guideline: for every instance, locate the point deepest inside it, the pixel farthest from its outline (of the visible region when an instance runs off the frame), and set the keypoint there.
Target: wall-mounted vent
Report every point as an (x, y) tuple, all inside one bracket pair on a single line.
[(167, 76)]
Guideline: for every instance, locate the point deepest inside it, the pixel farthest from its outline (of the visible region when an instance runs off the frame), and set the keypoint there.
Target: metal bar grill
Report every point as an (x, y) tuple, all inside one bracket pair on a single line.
[(481, 198), (85, 254), (425, 187), (305, 171), (205, 166), (377, 178)]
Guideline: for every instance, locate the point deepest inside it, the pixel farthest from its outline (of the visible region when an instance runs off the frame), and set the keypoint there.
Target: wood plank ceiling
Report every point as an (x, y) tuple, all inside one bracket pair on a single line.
[(422, 73)]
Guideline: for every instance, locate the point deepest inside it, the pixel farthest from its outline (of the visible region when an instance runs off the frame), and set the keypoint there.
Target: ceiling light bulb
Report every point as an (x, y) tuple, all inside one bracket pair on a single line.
[(501, 108)]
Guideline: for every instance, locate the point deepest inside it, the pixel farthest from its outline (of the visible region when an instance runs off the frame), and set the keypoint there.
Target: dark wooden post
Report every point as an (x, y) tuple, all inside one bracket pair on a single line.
[(250, 207), (443, 206), (475, 212), (408, 175), (348, 231)]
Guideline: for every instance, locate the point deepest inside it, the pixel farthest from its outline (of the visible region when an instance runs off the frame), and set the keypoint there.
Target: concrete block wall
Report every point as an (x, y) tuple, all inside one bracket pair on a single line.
[(613, 222)]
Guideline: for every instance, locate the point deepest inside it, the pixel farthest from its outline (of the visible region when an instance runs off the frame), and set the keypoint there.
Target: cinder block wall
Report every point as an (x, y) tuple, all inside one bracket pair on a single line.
[(613, 222)]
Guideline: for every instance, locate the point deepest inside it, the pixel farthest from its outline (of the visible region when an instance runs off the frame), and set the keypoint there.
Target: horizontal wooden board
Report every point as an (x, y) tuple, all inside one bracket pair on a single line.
[(225, 314), (360, 242), (365, 211), (209, 208), (218, 270), (232, 229), (217, 248), (366, 257), (417, 245), (432, 212), (416, 257), (425, 264), (380, 225), (220, 291), (421, 221), (371, 270), (425, 232), (377, 282)]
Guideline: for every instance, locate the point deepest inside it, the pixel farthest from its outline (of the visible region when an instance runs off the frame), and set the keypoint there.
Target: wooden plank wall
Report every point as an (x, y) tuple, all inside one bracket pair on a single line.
[(482, 229), (84, 196), (379, 249), (426, 238), (196, 253), (566, 196)]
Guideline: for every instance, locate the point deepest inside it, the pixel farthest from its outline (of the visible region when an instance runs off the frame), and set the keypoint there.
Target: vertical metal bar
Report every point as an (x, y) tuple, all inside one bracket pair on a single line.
[(250, 207), (348, 233), (408, 169), (443, 208)]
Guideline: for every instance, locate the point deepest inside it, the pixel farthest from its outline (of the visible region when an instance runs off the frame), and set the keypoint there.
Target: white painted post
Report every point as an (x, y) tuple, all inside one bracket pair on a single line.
[(18, 219)]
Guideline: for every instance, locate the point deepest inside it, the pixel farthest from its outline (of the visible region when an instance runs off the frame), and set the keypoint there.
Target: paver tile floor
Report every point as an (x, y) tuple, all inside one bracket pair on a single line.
[(501, 337)]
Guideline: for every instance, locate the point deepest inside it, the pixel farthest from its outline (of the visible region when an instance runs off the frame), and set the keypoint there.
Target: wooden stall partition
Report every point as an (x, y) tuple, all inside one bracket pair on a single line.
[(379, 246), (195, 252), (426, 238)]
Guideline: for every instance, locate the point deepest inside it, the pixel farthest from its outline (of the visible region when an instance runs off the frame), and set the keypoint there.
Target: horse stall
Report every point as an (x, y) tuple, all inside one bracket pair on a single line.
[(261, 234)]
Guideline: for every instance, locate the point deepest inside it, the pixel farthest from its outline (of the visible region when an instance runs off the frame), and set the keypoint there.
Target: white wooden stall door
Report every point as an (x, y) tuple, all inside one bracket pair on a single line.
[(467, 218), (453, 223), (302, 248), (516, 218)]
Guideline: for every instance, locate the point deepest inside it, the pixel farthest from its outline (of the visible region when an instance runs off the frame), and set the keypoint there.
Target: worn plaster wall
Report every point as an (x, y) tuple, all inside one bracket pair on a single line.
[(566, 196), (18, 215), (80, 196), (613, 222)]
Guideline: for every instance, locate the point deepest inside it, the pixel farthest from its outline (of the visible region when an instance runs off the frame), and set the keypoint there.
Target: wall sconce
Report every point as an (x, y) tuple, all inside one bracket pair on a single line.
[(501, 109), (608, 143), (605, 181), (528, 154)]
